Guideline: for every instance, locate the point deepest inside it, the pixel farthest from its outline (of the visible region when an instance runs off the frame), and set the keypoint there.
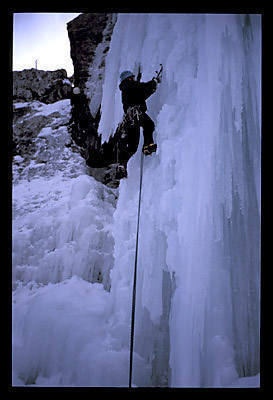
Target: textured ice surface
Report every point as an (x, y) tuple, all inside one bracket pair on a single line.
[(198, 301), (199, 250)]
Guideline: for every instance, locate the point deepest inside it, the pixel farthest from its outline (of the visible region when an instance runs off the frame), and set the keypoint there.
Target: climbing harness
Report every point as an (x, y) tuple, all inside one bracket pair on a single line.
[(130, 119), (135, 275)]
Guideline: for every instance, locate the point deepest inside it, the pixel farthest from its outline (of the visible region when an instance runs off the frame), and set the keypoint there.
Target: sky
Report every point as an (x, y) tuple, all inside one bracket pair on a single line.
[(42, 37)]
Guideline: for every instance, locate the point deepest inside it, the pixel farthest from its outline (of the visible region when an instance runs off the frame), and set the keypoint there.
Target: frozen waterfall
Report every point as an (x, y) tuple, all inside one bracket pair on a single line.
[(198, 286), (197, 316)]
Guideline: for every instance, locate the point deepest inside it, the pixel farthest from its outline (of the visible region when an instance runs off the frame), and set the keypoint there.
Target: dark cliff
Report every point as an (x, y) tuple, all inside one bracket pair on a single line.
[(85, 33), (90, 36)]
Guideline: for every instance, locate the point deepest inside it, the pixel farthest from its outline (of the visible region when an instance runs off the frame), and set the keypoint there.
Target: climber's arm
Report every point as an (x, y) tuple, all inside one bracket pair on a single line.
[(148, 88)]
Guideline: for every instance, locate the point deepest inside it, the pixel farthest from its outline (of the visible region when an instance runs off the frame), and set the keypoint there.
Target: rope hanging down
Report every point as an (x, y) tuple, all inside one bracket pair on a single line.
[(158, 79), (135, 277)]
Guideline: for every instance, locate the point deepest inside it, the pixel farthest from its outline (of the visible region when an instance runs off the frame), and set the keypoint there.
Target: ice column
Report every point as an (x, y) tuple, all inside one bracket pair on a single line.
[(197, 316)]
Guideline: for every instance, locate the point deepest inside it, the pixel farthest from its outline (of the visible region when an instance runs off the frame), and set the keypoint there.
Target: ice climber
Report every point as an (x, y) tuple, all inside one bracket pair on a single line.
[(134, 94)]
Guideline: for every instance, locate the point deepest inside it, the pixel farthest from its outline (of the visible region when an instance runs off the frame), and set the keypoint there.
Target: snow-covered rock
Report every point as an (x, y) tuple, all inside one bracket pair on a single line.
[(42, 141)]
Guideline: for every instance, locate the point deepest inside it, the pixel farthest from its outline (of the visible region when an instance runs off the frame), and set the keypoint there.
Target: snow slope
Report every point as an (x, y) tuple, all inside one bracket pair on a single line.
[(62, 255), (198, 300)]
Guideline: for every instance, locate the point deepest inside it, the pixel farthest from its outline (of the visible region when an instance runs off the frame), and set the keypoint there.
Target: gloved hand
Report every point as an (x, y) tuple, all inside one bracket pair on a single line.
[(155, 84), (159, 74), (139, 76), (156, 80)]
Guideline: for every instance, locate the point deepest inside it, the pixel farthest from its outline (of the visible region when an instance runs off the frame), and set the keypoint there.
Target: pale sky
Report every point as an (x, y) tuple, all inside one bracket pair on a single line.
[(42, 37)]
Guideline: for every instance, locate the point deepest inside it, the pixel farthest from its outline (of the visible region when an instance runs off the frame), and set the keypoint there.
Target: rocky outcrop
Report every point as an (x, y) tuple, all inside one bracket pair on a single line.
[(90, 36), (42, 144), (44, 86), (85, 33)]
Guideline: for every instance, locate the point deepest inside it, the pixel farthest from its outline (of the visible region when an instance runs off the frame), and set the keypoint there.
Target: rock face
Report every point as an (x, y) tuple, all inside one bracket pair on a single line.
[(90, 36), (85, 33), (42, 145), (45, 86)]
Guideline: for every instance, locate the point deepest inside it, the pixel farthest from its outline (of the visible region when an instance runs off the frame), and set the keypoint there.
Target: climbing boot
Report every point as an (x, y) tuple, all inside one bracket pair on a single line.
[(149, 149), (121, 171)]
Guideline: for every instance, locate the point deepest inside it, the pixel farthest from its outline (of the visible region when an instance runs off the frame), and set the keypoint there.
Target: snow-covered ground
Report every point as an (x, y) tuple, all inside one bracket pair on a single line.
[(62, 308), (62, 257), (197, 311)]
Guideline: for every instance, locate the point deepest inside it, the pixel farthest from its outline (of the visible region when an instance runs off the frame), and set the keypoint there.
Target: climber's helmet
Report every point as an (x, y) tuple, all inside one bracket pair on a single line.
[(125, 75), (76, 90)]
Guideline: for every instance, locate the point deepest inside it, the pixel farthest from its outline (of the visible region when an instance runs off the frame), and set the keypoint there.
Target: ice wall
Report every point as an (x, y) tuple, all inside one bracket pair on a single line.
[(197, 314)]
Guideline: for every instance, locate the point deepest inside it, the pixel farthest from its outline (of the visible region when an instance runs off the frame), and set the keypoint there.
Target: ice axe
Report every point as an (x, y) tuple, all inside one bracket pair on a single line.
[(158, 77), (139, 72)]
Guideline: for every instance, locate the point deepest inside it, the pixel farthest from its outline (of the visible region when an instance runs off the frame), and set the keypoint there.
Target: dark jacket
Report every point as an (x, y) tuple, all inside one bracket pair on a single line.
[(135, 93)]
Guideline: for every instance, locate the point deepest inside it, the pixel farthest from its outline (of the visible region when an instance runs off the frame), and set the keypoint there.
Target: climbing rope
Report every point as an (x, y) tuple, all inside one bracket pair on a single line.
[(133, 116), (135, 276)]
